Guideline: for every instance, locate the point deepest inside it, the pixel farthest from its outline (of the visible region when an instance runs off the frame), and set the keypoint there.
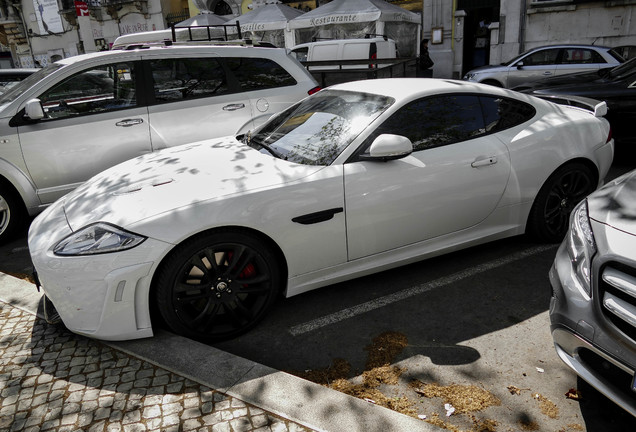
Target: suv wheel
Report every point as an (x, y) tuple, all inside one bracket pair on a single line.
[(12, 212)]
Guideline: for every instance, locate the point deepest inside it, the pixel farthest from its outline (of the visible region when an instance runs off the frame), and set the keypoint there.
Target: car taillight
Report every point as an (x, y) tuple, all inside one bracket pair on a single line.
[(314, 90), (374, 56), (609, 135)]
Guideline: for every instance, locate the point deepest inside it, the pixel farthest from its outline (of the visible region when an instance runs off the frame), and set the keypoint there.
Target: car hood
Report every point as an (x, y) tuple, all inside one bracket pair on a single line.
[(615, 204), (176, 177), (487, 68)]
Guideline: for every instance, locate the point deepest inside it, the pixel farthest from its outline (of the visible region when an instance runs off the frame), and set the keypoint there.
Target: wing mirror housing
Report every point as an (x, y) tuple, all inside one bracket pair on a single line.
[(388, 147), (520, 65), (33, 110)]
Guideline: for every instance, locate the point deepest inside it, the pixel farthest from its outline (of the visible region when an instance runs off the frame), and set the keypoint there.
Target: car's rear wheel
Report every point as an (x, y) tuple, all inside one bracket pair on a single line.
[(564, 189), (12, 212), (217, 286)]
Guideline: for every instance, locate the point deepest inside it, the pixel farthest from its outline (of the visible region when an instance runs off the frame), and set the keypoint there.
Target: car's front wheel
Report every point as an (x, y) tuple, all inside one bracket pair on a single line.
[(565, 188), (12, 213), (217, 286)]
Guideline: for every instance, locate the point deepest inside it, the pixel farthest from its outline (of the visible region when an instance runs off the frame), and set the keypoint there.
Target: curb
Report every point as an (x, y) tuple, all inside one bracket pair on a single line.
[(295, 399)]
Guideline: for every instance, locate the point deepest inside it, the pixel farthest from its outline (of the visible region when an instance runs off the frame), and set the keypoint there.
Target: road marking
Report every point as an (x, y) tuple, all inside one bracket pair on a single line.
[(413, 291)]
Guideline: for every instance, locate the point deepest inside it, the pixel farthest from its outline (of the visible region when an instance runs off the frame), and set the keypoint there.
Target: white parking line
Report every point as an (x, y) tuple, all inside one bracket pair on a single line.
[(413, 291)]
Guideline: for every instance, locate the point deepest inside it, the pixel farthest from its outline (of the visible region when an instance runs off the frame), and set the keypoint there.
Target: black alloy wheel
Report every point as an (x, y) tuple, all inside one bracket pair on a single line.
[(217, 286), (564, 189)]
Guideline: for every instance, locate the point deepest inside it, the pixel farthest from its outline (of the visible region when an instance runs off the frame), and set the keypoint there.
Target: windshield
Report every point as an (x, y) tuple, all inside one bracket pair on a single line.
[(621, 71), (17, 90), (509, 62), (316, 130)]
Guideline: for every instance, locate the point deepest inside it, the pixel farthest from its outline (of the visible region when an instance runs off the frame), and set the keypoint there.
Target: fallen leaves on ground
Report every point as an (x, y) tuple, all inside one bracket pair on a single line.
[(574, 394), (546, 406), (382, 352), (464, 398)]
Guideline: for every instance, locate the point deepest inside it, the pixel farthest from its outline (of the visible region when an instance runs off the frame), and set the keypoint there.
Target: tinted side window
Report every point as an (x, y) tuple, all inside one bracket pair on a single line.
[(543, 57), (187, 78), (437, 121), (96, 90), (259, 73), (502, 113), (581, 56)]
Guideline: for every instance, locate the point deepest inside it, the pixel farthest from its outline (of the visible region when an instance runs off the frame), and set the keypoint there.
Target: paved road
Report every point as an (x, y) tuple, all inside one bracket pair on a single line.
[(473, 318)]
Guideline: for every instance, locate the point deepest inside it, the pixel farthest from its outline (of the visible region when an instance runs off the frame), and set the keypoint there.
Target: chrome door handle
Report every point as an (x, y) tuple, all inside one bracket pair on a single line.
[(129, 122), (233, 107), (547, 73), (484, 162)]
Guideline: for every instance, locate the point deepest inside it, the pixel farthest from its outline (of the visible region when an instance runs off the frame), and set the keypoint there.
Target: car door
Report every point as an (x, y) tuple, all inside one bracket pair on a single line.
[(93, 120), (536, 65), (579, 59), (193, 101), (452, 181), (620, 96)]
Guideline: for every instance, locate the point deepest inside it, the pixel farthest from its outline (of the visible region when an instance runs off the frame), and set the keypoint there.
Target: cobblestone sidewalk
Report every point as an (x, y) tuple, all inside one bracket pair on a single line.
[(53, 380)]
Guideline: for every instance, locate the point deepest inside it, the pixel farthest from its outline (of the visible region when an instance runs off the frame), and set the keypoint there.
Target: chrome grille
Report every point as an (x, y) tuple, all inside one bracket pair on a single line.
[(618, 294)]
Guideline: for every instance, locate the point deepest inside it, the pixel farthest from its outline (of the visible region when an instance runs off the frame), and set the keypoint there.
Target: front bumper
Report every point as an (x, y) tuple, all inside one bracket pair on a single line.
[(102, 296), (586, 341)]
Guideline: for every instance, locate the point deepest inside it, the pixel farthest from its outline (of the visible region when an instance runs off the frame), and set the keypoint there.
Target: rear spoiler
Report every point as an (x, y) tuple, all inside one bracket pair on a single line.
[(598, 108)]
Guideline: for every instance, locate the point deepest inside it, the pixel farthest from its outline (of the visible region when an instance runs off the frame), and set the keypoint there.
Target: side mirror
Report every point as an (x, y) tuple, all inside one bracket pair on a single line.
[(519, 65), (33, 110), (389, 147)]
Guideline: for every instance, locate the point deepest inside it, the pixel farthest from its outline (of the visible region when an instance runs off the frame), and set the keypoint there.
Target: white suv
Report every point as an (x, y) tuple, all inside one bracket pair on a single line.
[(83, 114)]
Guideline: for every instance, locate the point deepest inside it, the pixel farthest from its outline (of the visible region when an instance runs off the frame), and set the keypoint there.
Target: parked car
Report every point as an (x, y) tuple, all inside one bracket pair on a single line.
[(11, 77), (616, 86), (593, 306), (369, 48), (546, 61), (353, 180), (81, 115)]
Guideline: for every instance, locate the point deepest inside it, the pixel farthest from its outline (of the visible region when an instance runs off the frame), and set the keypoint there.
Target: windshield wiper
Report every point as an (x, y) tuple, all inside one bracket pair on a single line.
[(252, 143)]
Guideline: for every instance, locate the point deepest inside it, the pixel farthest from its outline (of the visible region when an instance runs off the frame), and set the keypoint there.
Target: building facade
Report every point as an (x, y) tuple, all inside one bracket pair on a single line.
[(465, 34), (36, 32)]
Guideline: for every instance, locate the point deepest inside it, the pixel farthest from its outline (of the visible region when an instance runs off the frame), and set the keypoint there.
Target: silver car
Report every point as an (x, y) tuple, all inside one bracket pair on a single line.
[(544, 62), (81, 115), (593, 306)]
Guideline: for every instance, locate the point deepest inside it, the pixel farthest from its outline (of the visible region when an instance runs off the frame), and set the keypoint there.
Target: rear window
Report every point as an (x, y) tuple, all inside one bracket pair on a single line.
[(259, 73), (502, 113), (301, 54), (581, 56)]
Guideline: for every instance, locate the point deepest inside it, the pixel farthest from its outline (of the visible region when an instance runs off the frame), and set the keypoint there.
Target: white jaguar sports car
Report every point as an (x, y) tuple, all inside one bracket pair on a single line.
[(358, 178)]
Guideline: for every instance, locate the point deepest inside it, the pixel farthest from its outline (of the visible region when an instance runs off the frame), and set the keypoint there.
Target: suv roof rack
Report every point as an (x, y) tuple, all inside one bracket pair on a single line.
[(187, 35), (207, 35)]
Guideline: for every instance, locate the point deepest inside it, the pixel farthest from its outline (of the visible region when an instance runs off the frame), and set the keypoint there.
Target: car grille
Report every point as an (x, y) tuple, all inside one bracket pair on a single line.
[(608, 371), (617, 289)]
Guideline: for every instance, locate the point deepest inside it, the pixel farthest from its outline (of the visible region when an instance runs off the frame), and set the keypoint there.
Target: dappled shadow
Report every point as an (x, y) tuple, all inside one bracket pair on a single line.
[(434, 320), (176, 178), (55, 379), (618, 202)]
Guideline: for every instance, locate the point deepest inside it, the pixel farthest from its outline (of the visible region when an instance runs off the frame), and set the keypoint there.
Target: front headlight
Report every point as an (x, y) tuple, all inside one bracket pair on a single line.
[(469, 77), (581, 245), (97, 239)]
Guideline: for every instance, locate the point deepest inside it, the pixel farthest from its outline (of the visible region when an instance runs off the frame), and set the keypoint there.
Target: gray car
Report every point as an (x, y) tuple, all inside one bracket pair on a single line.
[(544, 62), (593, 306)]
